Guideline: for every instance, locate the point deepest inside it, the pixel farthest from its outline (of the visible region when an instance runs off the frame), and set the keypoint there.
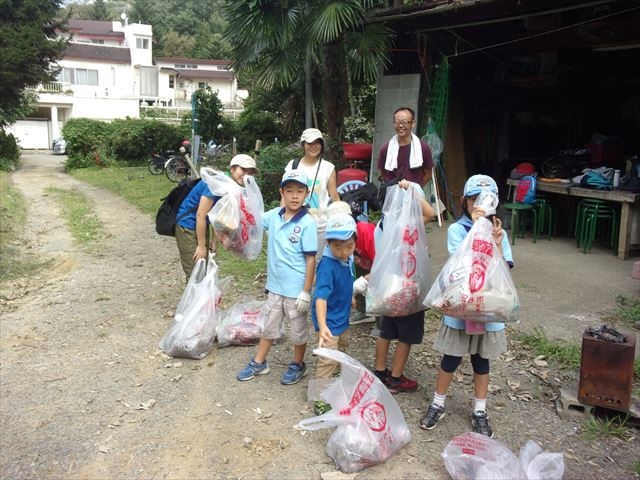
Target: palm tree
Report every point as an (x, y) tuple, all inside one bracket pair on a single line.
[(276, 39)]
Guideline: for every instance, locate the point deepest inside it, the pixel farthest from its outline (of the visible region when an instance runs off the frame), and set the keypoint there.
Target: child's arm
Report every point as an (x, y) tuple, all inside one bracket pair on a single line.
[(204, 206), (428, 213), (304, 297), (498, 233), (324, 334)]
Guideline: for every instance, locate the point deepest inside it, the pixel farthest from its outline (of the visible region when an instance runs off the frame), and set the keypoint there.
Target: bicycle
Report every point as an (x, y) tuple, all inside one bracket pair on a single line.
[(158, 160), (177, 168)]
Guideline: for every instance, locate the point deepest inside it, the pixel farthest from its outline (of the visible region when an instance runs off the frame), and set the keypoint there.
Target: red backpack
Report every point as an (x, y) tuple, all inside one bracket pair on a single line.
[(526, 190)]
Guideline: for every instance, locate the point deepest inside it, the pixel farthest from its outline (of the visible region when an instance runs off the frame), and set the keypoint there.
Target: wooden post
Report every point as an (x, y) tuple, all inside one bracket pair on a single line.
[(256, 150)]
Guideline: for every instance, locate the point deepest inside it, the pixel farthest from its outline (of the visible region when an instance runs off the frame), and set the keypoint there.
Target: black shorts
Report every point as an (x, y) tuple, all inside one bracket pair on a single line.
[(408, 329)]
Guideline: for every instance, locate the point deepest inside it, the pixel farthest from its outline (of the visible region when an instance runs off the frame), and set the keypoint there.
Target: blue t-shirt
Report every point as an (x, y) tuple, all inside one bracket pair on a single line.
[(289, 244), (334, 283), (189, 205), (456, 233)]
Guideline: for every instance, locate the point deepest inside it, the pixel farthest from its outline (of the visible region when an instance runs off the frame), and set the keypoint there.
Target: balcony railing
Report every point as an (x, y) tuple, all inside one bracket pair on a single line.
[(63, 88)]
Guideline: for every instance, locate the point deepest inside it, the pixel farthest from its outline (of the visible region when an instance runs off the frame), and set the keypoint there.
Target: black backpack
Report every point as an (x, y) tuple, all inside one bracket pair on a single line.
[(166, 218)]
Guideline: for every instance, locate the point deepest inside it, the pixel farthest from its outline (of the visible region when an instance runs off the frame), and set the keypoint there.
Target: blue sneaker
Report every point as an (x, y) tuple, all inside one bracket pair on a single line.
[(252, 369), (294, 373)]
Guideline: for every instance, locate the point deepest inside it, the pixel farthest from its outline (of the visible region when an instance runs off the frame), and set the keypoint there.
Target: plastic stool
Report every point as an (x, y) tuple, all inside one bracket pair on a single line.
[(543, 208), (516, 229)]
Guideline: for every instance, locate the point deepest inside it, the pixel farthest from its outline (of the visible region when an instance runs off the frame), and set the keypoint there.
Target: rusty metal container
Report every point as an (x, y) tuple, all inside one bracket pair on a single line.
[(606, 372)]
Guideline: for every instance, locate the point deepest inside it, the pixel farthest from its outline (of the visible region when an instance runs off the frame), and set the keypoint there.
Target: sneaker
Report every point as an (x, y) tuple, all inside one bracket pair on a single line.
[(382, 376), (359, 317), (294, 373), (431, 418), (480, 423), (375, 332), (252, 369), (320, 407), (402, 384)]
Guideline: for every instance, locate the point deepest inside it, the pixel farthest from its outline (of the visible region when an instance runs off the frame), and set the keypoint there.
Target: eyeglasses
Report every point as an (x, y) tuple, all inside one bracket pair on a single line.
[(402, 123)]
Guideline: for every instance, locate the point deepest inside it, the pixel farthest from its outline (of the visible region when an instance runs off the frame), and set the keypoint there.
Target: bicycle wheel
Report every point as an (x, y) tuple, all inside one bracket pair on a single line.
[(156, 167), (176, 169)]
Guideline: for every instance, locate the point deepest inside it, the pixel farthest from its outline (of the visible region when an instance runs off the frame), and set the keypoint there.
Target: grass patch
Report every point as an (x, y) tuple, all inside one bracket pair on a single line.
[(77, 210), (627, 310), (636, 467), (564, 353), (135, 184), (598, 428), (13, 215), (143, 190)]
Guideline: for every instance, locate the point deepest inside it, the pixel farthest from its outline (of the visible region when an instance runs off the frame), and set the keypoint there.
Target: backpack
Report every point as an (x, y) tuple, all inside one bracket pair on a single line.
[(166, 218), (526, 190), (521, 170), (596, 180)]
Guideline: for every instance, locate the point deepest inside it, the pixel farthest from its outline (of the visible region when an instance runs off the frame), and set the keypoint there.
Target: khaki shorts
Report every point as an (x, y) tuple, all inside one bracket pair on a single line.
[(458, 343), (278, 309)]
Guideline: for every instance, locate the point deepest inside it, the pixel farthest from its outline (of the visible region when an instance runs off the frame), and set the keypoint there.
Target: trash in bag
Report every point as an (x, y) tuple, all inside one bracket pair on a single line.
[(370, 425), (400, 279), (242, 324), (475, 283), (236, 218), (472, 456), (193, 330)]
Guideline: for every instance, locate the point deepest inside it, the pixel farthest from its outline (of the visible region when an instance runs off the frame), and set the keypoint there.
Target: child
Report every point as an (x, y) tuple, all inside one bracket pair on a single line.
[(192, 236), (452, 339), (333, 293), (407, 329), (291, 249)]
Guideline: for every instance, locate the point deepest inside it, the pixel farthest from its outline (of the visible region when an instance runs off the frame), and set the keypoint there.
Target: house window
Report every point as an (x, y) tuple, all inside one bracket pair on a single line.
[(181, 84), (142, 43), (99, 42), (84, 76), (172, 81), (179, 65), (201, 84), (66, 75)]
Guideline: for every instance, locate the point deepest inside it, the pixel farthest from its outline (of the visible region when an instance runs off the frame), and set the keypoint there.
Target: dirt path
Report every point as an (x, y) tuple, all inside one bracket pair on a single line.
[(85, 393)]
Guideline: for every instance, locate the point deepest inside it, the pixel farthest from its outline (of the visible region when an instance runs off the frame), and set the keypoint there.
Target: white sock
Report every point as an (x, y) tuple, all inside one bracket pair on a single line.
[(439, 399), (481, 405)]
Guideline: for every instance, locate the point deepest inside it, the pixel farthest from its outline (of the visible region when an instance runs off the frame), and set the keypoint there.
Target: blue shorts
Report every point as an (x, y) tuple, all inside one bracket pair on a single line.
[(408, 329)]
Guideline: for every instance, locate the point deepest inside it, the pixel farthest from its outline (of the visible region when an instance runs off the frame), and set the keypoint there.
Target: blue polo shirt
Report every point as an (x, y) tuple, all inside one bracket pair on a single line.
[(189, 205), (456, 233), (334, 283), (289, 243)]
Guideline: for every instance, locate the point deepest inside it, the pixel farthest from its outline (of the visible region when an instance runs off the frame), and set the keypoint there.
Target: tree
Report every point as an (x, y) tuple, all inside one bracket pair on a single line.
[(27, 57), (99, 11), (276, 38), (208, 112)]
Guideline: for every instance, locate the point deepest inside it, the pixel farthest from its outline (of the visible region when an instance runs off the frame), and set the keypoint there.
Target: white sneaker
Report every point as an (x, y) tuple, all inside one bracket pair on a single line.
[(359, 317)]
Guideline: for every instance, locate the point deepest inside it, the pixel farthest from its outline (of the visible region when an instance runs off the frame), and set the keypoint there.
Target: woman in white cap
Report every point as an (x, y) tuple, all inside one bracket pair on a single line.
[(192, 232), (322, 180)]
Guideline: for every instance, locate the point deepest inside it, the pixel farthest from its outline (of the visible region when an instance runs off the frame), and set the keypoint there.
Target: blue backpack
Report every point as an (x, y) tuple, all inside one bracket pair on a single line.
[(526, 190)]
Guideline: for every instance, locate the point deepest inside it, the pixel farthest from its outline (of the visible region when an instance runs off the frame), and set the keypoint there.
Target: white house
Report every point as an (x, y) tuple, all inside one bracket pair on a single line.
[(108, 72)]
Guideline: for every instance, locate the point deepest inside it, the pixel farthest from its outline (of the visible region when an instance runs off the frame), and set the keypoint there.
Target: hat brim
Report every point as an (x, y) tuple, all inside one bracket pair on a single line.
[(293, 180)]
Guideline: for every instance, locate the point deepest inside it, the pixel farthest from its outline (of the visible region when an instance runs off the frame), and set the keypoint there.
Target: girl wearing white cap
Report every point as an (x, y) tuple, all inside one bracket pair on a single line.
[(322, 180)]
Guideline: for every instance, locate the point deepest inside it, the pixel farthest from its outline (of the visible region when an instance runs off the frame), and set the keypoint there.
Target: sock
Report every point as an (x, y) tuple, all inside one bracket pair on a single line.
[(481, 405), (438, 399)]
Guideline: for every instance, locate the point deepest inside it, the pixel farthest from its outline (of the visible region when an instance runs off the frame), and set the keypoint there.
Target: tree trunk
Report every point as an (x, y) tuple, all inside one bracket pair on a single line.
[(335, 97)]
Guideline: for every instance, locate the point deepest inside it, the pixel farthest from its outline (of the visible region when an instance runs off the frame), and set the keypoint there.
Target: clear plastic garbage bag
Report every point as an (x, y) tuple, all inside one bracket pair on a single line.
[(193, 330), (475, 284), (236, 218), (242, 324), (401, 272), (472, 456), (370, 425)]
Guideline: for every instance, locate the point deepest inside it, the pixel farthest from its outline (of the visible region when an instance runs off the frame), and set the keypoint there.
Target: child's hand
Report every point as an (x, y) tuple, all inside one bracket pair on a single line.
[(404, 184), (324, 335), (477, 213), (360, 286), (498, 232)]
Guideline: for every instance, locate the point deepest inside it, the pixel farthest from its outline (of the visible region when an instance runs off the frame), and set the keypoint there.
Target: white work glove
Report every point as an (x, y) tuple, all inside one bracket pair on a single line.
[(303, 301), (360, 286)]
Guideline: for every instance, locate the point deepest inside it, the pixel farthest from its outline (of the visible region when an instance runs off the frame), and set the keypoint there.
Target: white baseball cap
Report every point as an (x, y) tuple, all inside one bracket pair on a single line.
[(310, 135), (294, 176), (338, 207), (340, 227), (243, 160)]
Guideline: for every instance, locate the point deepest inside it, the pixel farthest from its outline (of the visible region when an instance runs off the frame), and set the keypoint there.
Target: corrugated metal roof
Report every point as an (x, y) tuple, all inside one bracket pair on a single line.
[(97, 53)]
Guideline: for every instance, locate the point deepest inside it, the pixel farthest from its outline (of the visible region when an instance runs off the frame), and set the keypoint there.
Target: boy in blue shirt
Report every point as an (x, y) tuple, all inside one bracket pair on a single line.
[(291, 249)]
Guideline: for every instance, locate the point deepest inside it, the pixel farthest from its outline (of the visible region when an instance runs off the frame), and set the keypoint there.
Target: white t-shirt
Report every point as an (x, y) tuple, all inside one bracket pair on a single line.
[(319, 200)]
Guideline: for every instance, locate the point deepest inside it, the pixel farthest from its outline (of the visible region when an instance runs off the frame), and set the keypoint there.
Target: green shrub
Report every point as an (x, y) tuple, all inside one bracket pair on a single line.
[(273, 159), (256, 125), (129, 139), (9, 152), (84, 138)]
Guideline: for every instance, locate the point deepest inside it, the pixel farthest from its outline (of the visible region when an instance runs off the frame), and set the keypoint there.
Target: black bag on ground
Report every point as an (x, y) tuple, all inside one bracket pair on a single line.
[(166, 218)]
